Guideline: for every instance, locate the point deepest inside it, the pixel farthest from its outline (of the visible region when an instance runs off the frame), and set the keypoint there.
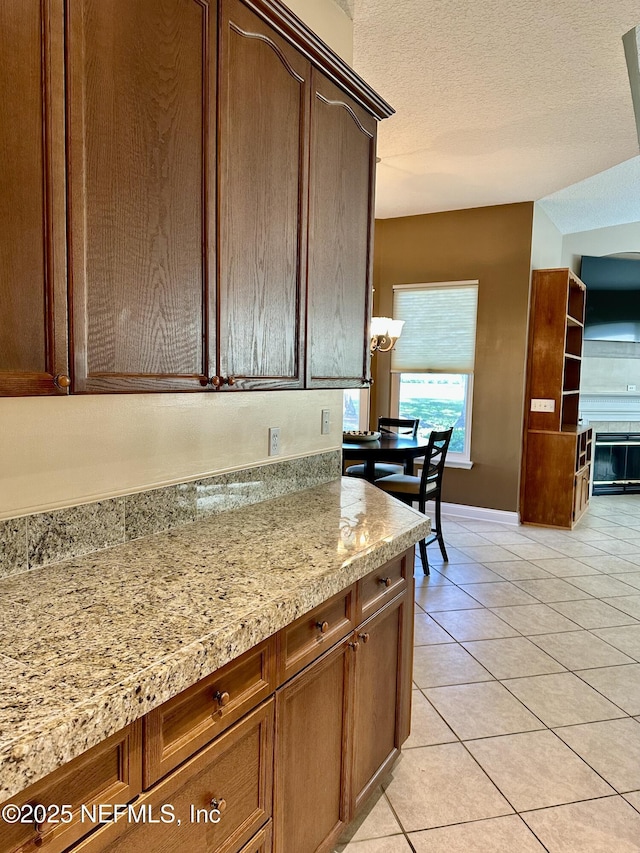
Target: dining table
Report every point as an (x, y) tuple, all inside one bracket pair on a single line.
[(401, 449)]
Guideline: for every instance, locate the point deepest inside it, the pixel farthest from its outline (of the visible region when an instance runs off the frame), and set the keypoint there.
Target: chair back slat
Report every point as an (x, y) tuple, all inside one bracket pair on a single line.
[(434, 459), (399, 426)]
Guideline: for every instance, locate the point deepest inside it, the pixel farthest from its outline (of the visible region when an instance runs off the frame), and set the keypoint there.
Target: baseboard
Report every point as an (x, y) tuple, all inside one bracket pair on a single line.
[(476, 513)]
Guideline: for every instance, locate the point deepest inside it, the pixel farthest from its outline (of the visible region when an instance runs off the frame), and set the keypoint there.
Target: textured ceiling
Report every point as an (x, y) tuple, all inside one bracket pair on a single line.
[(611, 197), (496, 101)]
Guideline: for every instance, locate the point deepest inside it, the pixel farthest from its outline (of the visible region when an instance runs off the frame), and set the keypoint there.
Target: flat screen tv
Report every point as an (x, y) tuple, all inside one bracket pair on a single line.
[(613, 298)]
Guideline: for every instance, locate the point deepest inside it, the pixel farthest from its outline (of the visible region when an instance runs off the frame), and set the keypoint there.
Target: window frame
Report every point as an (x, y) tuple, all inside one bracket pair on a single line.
[(454, 460)]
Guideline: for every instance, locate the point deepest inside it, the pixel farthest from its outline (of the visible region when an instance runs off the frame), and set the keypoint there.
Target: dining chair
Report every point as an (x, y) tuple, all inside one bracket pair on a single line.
[(426, 487), (389, 426)]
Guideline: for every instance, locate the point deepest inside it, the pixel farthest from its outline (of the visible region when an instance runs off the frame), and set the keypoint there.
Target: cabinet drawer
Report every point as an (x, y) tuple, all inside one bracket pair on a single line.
[(109, 773), (175, 730), (236, 770), (385, 583), (261, 841), (315, 632)]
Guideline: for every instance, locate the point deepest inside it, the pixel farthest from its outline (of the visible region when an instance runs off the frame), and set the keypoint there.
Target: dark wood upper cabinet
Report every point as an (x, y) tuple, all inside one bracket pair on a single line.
[(33, 318), (264, 86), (342, 156), (141, 79), (186, 200)]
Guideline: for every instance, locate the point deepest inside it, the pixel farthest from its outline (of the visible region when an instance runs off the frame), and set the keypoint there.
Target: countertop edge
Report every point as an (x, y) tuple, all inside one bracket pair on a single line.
[(62, 738)]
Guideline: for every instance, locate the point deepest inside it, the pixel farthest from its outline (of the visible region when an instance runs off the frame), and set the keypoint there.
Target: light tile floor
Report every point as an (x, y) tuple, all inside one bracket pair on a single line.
[(526, 707)]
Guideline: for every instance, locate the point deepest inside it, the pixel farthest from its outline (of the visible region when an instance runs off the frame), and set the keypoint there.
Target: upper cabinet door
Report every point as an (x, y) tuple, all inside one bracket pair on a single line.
[(141, 79), (343, 142), (262, 160), (33, 318)]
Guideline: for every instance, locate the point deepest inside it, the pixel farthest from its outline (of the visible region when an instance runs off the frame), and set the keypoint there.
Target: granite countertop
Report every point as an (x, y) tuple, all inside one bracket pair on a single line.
[(88, 645)]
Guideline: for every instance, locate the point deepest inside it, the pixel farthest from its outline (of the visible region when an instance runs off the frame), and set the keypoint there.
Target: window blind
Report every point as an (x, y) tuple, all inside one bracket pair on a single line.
[(439, 334)]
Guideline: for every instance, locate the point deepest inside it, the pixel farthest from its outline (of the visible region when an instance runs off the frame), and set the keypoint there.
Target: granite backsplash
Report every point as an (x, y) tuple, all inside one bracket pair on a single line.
[(37, 540)]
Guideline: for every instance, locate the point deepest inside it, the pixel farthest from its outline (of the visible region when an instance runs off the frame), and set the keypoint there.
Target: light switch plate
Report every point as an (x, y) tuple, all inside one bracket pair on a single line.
[(326, 422), (543, 405)]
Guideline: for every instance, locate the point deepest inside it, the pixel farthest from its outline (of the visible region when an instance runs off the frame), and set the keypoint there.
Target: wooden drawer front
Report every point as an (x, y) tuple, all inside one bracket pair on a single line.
[(261, 842), (175, 730), (237, 769), (385, 583), (315, 632), (109, 773)]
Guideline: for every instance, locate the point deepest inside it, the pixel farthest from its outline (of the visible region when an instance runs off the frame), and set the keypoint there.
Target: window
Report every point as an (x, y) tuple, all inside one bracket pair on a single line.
[(433, 361), (356, 409)]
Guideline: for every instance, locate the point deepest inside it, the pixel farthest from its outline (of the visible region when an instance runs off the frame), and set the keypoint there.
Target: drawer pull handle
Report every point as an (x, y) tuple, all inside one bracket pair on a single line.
[(219, 805), (385, 582), (216, 381), (61, 381), (221, 698), (323, 626), (364, 637), (354, 645)]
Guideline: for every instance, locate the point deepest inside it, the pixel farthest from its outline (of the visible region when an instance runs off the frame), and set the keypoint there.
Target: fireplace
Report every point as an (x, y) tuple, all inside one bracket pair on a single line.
[(616, 469)]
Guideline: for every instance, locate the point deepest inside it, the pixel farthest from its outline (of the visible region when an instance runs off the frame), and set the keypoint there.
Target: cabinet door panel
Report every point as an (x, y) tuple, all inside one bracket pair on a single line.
[(141, 75), (33, 337), (312, 754), (379, 700), (263, 133), (340, 221)]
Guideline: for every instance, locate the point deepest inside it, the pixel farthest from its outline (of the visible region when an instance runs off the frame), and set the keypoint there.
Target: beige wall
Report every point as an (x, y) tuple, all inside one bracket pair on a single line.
[(62, 451), (493, 245), (329, 21)]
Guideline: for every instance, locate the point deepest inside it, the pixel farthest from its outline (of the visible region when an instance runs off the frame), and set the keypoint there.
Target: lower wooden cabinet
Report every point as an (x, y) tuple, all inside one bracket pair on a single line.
[(556, 477), (312, 758), (273, 753), (214, 803), (340, 725), (382, 702), (109, 773)]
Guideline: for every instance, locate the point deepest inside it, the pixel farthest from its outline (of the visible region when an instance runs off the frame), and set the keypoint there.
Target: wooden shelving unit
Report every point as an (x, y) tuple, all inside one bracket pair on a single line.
[(556, 459)]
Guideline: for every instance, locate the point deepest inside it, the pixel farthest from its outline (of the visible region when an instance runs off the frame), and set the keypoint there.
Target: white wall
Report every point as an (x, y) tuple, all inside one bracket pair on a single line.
[(600, 241), (546, 241), (63, 451), (608, 367)]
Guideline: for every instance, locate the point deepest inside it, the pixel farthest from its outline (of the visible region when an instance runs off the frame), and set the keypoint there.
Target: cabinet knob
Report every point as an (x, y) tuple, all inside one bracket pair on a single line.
[(230, 381), (364, 637), (323, 626), (355, 645), (216, 381), (218, 804), (385, 582), (62, 381), (221, 698)]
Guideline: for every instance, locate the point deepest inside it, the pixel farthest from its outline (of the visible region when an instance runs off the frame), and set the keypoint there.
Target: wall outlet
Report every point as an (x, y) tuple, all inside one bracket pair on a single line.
[(326, 422), (631, 387), (543, 405), (274, 441)]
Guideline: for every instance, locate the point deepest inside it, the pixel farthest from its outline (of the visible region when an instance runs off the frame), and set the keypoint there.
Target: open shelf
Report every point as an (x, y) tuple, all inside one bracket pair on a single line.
[(573, 343), (571, 378), (557, 452), (576, 300)]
